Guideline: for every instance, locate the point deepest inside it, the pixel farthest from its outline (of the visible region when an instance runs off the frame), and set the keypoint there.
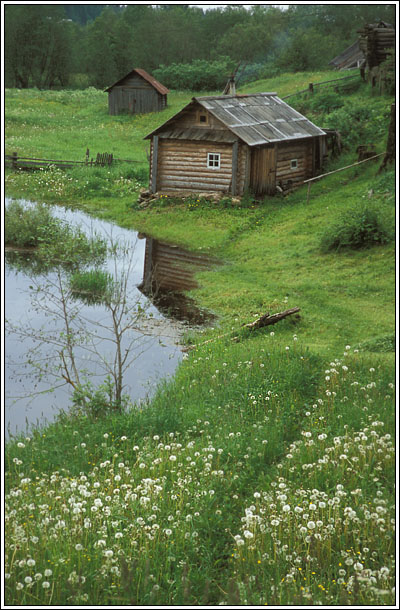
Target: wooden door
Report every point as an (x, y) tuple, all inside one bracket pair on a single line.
[(263, 170), (129, 97)]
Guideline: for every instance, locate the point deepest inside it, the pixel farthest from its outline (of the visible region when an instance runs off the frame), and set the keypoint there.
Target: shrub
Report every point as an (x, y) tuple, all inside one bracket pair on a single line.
[(197, 76), (326, 101), (97, 402), (29, 227), (359, 227), (53, 239), (359, 123)]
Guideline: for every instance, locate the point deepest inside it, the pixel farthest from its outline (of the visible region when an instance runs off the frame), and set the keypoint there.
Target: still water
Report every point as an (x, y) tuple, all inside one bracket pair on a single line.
[(156, 343)]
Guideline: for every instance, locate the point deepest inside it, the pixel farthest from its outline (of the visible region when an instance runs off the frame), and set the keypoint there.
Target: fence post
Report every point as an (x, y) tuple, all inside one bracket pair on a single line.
[(14, 160), (87, 156), (311, 87)]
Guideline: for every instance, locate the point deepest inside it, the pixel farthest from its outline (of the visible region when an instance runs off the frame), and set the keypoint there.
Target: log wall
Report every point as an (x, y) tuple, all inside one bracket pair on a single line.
[(170, 268), (182, 166), (286, 152)]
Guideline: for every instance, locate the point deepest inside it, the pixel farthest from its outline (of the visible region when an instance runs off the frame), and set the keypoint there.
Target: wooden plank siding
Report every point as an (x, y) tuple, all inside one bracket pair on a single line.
[(190, 117), (136, 96), (303, 152), (263, 170)]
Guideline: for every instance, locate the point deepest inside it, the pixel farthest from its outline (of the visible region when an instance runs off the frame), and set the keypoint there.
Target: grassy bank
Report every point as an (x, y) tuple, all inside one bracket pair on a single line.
[(272, 483), (263, 473)]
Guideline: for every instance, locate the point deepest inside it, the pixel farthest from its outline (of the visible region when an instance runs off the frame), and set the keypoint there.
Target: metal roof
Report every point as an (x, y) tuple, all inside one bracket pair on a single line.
[(193, 133), (150, 79), (258, 118)]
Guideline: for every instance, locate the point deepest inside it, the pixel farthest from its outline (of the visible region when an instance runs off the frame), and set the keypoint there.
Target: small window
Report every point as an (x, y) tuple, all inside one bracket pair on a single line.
[(214, 160), (202, 118), (293, 164)]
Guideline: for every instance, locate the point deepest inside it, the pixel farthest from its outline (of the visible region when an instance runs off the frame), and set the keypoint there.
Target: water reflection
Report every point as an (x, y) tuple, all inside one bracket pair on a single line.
[(26, 399), (169, 271)]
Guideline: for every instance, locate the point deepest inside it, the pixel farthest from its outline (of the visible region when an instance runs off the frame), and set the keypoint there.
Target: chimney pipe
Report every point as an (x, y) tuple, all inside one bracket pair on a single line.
[(232, 86)]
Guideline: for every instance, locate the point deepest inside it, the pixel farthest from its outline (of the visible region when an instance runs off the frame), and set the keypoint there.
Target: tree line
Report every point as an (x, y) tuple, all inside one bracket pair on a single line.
[(77, 46)]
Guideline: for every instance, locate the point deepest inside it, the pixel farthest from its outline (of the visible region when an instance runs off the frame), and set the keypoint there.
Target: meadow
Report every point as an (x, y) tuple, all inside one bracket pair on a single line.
[(263, 473)]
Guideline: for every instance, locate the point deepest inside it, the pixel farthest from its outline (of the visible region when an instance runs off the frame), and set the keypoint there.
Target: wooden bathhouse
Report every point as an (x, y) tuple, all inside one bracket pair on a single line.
[(234, 143), (136, 93)]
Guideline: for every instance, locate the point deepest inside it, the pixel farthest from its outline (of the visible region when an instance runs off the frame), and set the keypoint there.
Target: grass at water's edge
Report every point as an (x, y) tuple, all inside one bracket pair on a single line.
[(263, 473), (260, 475)]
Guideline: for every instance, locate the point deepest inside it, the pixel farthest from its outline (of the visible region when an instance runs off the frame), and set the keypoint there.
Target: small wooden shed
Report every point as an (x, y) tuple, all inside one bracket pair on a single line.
[(136, 93), (234, 143), (352, 57)]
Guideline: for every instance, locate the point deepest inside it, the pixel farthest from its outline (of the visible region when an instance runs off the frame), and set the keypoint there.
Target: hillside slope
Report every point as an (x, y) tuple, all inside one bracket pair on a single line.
[(264, 472)]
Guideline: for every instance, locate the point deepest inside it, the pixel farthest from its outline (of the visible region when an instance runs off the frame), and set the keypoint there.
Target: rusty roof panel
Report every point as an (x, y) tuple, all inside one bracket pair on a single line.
[(150, 79)]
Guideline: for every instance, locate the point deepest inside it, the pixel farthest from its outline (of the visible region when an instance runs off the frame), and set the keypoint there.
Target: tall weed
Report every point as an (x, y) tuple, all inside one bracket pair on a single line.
[(360, 227)]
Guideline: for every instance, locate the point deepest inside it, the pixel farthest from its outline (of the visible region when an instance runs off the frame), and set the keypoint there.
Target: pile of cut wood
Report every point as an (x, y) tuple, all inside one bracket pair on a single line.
[(376, 41)]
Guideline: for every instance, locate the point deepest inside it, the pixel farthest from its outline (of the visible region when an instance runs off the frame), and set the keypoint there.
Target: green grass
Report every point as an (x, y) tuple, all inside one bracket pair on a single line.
[(91, 286), (177, 502), (200, 497)]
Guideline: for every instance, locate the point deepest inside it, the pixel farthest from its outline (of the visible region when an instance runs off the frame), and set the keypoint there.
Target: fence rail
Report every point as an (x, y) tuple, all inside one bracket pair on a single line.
[(17, 161), (311, 86)]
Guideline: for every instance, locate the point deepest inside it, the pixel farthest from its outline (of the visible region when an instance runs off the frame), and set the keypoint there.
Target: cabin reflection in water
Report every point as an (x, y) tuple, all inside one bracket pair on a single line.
[(169, 272)]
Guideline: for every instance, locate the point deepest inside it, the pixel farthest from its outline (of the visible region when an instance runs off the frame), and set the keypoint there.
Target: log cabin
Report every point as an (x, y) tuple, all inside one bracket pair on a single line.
[(136, 93), (233, 144)]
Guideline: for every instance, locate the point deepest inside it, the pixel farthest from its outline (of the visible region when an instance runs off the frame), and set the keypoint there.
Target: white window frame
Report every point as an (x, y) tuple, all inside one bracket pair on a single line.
[(214, 160), (294, 164)]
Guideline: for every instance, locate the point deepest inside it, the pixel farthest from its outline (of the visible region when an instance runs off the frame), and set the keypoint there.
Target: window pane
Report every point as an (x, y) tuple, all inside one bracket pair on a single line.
[(213, 160)]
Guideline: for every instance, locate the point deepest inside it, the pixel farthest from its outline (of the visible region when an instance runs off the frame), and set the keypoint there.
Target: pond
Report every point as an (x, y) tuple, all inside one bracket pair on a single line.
[(156, 338)]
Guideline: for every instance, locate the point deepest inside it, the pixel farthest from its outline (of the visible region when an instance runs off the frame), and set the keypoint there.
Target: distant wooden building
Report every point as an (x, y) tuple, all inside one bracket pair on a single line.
[(377, 42), (136, 93), (352, 57), (234, 143)]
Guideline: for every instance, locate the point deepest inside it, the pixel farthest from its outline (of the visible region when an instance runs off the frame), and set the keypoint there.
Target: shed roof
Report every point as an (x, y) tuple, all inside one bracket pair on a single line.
[(349, 57), (258, 118), (150, 79)]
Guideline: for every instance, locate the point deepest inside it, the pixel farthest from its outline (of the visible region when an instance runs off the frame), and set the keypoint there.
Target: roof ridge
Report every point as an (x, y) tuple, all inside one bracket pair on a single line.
[(235, 96)]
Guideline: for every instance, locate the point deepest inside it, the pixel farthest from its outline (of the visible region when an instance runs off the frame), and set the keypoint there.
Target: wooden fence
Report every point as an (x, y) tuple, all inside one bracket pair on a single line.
[(312, 86), (15, 161), (310, 181)]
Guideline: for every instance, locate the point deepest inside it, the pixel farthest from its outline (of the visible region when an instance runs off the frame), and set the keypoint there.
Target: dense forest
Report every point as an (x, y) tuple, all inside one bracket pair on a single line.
[(77, 46)]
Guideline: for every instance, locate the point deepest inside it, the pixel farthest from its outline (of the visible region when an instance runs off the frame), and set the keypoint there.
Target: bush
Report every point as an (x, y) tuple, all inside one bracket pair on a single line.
[(97, 402), (199, 75), (326, 101), (53, 239), (29, 227), (359, 227), (359, 123)]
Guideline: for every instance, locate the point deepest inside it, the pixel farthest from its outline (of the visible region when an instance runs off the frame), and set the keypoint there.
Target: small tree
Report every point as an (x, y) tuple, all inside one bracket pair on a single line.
[(73, 347)]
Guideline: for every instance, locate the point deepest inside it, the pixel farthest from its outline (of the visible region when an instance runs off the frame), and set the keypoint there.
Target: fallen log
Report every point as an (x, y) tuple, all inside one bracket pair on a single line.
[(268, 319), (265, 320)]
